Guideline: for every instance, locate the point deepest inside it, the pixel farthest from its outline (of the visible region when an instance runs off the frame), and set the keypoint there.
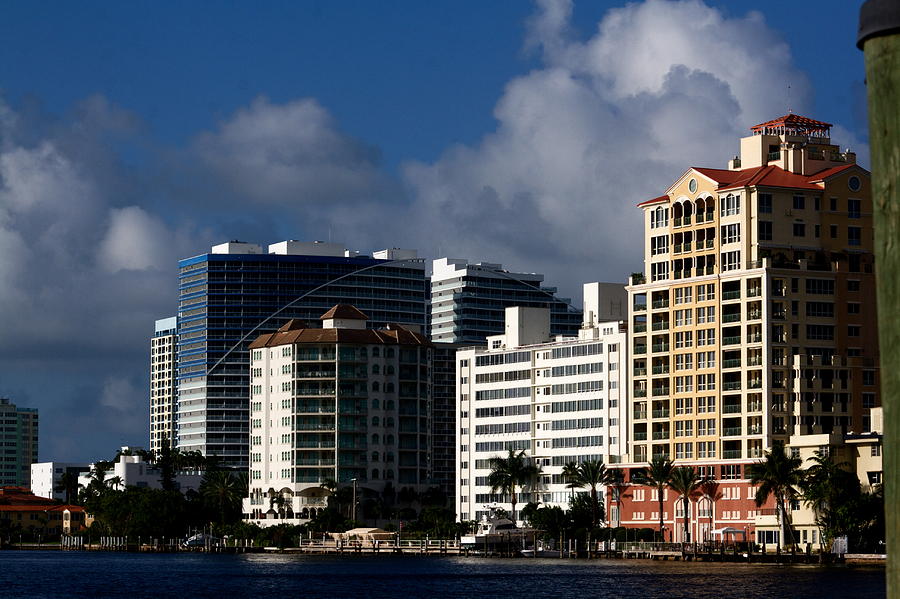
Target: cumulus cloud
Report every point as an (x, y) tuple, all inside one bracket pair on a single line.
[(603, 123)]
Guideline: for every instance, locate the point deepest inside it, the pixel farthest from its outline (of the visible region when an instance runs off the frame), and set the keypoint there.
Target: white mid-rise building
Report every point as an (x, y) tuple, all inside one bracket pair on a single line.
[(46, 478), (134, 471), (163, 389), (559, 400)]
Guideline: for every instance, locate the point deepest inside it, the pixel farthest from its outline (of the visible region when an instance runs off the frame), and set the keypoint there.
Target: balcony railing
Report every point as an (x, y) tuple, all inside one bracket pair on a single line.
[(662, 325), (754, 361), (754, 292), (776, 155), (640, 414), (730, 295), (640, 328), (710, 243), (640, 436), (754, 430), (660, 435), (660, 370), (640, 349), (733, 431), (754, 406), (732, 363), (678, 274), (660, 347), (640, 393), (734, 340), (731, 408), (663, 303), (640, 372), (660, 413), (640, 307), (732, 454), (731, 386), (754, 384), (754, 338), (657, 391), (731, 317)]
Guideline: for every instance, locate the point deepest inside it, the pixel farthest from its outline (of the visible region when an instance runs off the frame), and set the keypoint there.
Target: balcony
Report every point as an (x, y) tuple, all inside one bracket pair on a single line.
[(640, 328), (640, 307), (660, 370), (640, 349), (733, 431), (640, 436), (678, 274), (660, 435), (709, 243), (661, 413), (754, 315), (754, 292), (735, 340), (640, 415), (776, 155), (733, 363), (754, 384), (640, 393), (731, 408), (755, 430), (658, 391), (662, 325), (754, 406), (754, 361), (731, 386), (754, 338), (779, 315), (660, 347), (731, 295), (732, 454), (731, 317), (660, 303), (640, 372)]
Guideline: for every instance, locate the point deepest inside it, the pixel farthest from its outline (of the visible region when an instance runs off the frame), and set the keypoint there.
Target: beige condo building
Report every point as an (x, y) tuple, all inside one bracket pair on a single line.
[(754, 321)]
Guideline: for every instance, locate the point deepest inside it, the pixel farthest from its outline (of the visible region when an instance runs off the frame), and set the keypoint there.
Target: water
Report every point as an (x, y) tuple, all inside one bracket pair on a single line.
[(95, 575)]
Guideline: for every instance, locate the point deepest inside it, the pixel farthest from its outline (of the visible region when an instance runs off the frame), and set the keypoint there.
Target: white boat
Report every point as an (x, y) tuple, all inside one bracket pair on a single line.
[(495, 531)]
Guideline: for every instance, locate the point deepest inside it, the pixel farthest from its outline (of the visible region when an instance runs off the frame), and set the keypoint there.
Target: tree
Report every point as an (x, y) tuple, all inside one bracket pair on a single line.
[(615, 479), (68, 484), (570, 474), (778, 475), (590, 474), (509, 473), (657, 475), (685, 481), (222, 492), (710, 490)]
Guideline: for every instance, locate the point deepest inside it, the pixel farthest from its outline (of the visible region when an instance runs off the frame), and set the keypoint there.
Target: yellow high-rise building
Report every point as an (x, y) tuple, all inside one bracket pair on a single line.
[(755, 320)]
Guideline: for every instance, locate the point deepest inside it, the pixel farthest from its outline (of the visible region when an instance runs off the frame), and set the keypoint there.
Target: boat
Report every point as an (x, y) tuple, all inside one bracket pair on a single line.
[(543, 550), (496, 532)]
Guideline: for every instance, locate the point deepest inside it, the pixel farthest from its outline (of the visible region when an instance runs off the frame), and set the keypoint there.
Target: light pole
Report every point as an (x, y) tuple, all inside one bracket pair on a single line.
[(353, 480)]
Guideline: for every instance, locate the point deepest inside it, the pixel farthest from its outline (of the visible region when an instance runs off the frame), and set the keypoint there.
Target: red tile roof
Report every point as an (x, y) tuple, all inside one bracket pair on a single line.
[(793, 121), (397, 335), (345, 311), (654, 201)]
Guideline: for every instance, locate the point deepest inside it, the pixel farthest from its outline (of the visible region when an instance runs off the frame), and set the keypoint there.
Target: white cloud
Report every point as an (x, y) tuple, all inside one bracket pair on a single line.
[(136, 240)]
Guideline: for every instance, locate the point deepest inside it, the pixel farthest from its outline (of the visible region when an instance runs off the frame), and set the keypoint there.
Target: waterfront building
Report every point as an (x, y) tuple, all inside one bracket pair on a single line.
[(130, 469), (754, 321), (163, 389), (23, 510), (236, 292), (342, 403), (559, 399), (19, 428), (443, 428), (468, 301), (46, 477)]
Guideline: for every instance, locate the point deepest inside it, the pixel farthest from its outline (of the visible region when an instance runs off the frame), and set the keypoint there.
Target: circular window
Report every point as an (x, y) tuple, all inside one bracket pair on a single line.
[(853, 183), (692, 185)]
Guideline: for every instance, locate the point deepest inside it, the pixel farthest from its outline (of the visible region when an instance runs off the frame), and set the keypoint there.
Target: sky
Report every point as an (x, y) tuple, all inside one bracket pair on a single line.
[(135, 134)]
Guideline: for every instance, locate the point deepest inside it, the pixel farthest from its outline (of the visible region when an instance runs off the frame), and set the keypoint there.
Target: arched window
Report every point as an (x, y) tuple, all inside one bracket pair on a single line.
[(389, 352), (375, 421), (389, 387), (389, 370), (389, 440), (375, 456), (389, 474), (389, 422), (375, 404), (375, 386), (374, 474), (376, 352), (375, 439), (375, 369), (389, 404)]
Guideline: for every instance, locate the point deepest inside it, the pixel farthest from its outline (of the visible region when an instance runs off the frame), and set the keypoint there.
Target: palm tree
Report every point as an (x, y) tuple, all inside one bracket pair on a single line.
[(590, 474), (515, 470), (827, 487), (68, 483), (778, 475), (685, 481), (223, 491), (710, 490), (570, 474), (615, 479), (657, 475)]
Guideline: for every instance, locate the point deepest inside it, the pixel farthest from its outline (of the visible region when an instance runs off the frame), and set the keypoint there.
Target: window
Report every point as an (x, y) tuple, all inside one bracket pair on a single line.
[(684, 428), (854, 330), (821, 332), (765, 230), (799, 230), (684, 362), (659, 245), (706, 337), (854, 183), (852, 285), (706, 359), (683, 340), (765, 203), (731, 233), (854, 208), (683, 295), (684, 384), (819, 287), (868, 400), (799, 203), (659, 271), (854, 236), (731, 205), (683, 317), (731, 260), (820, 309), (706, 292), (817, 202), (706, 382), (659, 218), (868, 378), (684, 405)]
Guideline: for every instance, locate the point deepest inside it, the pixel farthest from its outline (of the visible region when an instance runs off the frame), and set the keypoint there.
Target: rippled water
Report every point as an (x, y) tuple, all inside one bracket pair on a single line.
[(82, 574)]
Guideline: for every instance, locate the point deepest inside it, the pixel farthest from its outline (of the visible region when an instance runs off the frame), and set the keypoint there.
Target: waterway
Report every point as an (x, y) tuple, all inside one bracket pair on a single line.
[(96, 575)]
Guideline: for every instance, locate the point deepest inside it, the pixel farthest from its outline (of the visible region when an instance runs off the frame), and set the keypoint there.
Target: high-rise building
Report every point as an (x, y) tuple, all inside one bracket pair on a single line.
[(163, 390), (468, 301), (20, 447), (559, 400), (236, 292), (755, 322), (340, 402), (443, 427)]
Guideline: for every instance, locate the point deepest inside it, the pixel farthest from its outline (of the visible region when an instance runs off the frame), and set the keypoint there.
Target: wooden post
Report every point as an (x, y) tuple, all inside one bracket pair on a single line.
[(879, 37)]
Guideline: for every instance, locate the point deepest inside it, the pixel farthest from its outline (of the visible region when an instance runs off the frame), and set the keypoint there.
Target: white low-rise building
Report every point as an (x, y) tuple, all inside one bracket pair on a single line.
[(134, 471), (46, 477), (559, 400)]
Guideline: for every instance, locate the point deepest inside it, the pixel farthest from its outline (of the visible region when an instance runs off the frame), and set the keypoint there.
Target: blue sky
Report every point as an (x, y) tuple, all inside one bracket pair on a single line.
[(132, 134)]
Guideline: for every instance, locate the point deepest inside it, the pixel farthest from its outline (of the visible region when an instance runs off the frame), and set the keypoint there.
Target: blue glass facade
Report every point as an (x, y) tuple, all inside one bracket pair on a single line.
[(223, 297)]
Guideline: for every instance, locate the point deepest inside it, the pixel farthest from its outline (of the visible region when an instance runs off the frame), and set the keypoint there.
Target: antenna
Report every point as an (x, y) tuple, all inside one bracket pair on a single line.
[(790, 110)]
